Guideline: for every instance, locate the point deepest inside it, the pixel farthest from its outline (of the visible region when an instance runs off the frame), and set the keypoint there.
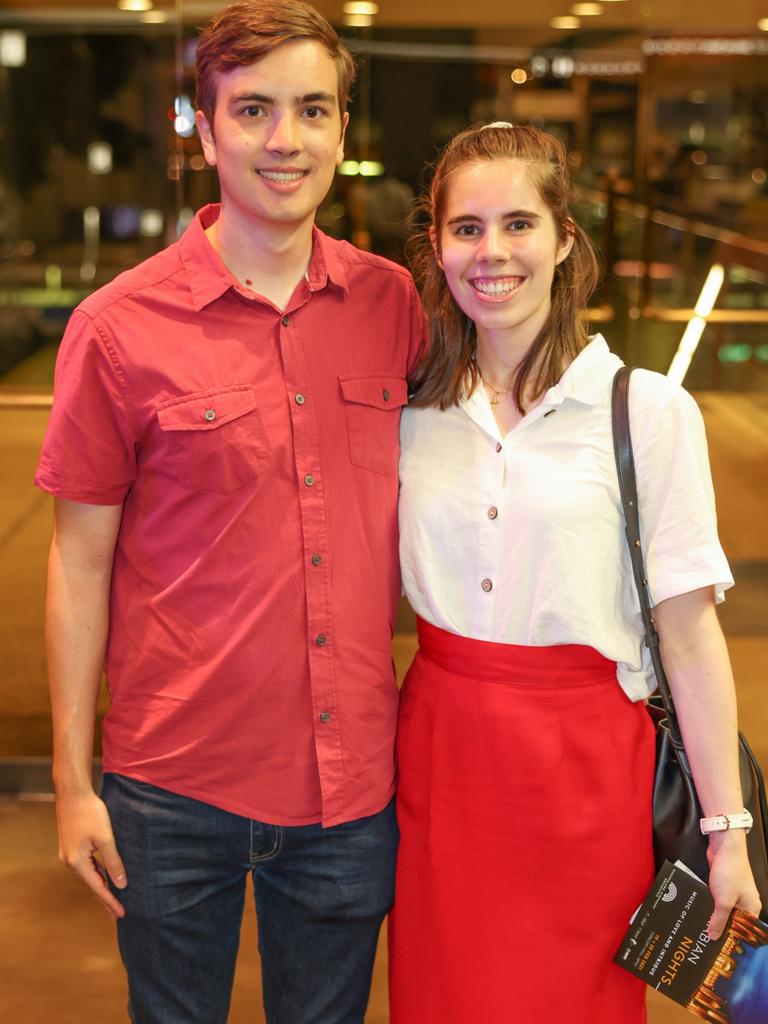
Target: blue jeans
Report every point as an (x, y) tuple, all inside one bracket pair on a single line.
[(321, 895)]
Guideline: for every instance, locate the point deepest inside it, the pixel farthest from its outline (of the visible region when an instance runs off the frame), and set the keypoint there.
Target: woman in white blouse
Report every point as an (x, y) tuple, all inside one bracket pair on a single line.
[(525, 752)]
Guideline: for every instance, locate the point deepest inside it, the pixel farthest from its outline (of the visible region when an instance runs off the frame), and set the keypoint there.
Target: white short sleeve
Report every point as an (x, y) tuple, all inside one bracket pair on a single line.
[(678, 523)]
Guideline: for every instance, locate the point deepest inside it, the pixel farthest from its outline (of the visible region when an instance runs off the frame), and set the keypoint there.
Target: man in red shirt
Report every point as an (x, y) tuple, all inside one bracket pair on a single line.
[(223, 450)]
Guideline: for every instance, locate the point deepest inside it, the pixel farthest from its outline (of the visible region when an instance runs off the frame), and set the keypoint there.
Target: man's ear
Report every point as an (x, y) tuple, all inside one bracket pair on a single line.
[(340, 150), (567, 243), (205, 131), (435, 247)]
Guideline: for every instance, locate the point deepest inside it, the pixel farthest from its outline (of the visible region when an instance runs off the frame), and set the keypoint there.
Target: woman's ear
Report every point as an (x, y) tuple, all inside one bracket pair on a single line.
[(435, 246), (567, 243)]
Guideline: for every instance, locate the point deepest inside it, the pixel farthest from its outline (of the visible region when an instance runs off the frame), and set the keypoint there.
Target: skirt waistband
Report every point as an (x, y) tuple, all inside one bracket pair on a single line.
[(558, 665)]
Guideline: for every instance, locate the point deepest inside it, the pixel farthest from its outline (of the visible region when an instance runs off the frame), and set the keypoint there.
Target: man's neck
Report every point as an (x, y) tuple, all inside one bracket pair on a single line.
[(269, 261)]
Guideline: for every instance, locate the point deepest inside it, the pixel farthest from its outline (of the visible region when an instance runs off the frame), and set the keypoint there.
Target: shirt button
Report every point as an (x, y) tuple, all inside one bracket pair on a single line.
[(325, 716), (321, 639), (492, 512), (285, 321), (210, 415), (316, 559), (309, 480), (487, 585), (300, 399), (498, 447), (385, 395)]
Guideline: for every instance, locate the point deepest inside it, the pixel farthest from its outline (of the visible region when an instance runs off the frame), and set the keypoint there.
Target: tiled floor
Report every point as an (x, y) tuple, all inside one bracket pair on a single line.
[(59, 961)]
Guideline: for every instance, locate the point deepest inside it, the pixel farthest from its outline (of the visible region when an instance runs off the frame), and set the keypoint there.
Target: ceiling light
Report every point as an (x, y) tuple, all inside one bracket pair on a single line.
[(519, 76), (565, 22), (358, 20), (763, 24), (587, 10), (13, 49), (360, 7), (135, 5)]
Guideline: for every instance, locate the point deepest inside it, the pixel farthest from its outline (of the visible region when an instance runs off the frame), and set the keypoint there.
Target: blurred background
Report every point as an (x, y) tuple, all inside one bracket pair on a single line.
[(664, 110)]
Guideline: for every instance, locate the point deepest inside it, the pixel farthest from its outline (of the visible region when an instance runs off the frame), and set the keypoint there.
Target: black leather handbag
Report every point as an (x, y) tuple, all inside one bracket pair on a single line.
[(676, 807)]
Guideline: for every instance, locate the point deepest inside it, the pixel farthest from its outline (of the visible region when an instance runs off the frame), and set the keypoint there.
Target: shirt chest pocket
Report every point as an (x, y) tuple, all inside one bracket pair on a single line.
[(373, 405), (213, 439)]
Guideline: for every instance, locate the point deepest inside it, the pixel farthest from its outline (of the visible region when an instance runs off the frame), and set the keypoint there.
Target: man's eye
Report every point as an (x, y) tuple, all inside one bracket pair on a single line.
[(253, 110), (313, 113)]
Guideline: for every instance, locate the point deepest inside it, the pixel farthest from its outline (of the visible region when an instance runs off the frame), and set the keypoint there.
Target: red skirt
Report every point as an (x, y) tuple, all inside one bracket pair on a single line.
[(524, 804)]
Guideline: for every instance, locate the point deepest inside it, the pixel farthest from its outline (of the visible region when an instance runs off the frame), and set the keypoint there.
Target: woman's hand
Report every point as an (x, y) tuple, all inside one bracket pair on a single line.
[(730, 878)]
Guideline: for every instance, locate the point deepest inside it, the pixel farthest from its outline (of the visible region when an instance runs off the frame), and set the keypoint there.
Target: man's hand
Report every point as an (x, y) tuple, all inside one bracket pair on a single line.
[(87, 846)]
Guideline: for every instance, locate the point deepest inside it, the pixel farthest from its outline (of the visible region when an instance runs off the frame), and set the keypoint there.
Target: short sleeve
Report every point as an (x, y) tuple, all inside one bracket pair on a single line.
[(678, 523), (418, 329), (89, 450)]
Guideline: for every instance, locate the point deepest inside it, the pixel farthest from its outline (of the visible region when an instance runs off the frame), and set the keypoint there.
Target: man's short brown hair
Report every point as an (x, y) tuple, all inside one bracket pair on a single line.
[(244, 32)]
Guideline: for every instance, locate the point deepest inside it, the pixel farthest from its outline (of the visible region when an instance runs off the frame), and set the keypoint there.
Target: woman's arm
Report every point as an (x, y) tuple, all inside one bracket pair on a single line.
[(699, 672)]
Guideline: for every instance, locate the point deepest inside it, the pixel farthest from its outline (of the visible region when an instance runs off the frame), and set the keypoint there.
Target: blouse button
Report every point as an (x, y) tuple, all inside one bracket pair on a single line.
[(498, 447), (487, 585), (210, 415), (492, 512)]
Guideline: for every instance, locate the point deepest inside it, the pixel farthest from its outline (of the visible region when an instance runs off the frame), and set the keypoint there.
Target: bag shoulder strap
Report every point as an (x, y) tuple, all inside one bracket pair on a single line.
[(625, 468)]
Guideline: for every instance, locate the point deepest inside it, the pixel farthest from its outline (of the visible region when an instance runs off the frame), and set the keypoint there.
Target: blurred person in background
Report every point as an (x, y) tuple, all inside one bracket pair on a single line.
[(223, 453)]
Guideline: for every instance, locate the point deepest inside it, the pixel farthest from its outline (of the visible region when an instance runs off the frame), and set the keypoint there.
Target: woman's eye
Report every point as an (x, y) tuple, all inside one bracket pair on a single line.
[(520, 225), (466, 229)]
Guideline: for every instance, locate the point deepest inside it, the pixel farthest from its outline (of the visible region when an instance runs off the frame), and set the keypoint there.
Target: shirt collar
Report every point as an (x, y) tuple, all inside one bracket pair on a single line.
[(589, 376), (209, 278), (587, 380)]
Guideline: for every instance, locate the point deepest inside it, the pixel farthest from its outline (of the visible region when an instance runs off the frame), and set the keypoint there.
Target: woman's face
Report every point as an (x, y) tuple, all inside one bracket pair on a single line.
[(499, 246)]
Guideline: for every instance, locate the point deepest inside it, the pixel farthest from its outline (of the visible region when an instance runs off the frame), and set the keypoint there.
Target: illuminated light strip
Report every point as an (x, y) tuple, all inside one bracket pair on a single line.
[(695, 327)]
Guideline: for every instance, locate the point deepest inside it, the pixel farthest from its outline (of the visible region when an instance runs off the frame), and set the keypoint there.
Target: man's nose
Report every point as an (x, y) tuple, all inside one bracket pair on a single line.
[(284, 137)]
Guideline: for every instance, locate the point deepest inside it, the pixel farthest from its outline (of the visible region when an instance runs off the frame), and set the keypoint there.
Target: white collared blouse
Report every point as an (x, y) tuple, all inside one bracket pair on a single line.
[(520, 539)]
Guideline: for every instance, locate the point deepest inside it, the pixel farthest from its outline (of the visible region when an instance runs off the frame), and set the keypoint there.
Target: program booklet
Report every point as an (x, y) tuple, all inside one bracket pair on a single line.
[(724, 981)]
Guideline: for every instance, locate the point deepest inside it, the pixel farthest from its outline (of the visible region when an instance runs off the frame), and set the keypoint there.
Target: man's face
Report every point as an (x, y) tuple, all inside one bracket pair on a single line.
[(278, 135)]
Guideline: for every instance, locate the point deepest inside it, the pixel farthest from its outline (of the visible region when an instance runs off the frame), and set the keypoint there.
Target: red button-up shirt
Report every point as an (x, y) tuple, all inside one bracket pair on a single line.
[(255, 576)]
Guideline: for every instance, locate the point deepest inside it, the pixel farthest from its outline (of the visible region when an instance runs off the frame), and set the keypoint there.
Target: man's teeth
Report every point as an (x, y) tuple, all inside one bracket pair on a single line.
[(282, 175), (496, 287)]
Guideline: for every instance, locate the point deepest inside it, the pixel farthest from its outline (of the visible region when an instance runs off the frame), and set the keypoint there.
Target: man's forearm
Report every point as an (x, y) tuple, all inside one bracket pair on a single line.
[(77, 620)]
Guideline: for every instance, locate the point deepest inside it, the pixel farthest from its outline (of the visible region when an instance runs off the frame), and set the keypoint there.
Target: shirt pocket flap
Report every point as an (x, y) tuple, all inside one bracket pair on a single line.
[(379, 392), (207, 410)]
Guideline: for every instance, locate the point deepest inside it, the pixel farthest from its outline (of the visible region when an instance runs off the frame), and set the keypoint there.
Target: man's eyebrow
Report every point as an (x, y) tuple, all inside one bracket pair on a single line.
[(468, 218), (251, 97), (310, 97), (316, 97)]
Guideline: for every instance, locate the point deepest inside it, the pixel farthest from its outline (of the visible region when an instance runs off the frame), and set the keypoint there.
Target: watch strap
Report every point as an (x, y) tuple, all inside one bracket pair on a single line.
[(725, 822)]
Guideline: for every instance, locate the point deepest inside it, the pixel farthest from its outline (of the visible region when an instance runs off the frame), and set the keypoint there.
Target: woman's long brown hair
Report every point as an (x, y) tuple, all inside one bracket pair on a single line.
[(448, 370)]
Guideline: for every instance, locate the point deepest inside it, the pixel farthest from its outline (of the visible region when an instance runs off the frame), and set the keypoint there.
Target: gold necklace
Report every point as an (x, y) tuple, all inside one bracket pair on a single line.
[(497, 392)]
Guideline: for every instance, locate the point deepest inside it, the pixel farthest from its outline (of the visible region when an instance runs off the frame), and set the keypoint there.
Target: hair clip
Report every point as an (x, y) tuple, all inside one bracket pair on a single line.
[(496, 124)]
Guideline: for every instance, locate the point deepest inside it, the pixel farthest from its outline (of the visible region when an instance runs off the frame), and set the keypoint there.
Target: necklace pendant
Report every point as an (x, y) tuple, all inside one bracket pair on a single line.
[(494, 403)]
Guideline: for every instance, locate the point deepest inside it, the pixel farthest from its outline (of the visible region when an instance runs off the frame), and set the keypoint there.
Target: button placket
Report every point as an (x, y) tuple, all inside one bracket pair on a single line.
[(299, 386)]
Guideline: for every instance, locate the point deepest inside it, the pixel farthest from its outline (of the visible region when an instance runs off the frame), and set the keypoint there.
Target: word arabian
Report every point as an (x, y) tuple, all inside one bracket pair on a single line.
[(690, 950)]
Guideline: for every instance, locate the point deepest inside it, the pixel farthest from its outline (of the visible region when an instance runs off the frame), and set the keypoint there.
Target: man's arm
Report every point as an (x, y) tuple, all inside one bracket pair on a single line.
[(696, 661), (77, 623)]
